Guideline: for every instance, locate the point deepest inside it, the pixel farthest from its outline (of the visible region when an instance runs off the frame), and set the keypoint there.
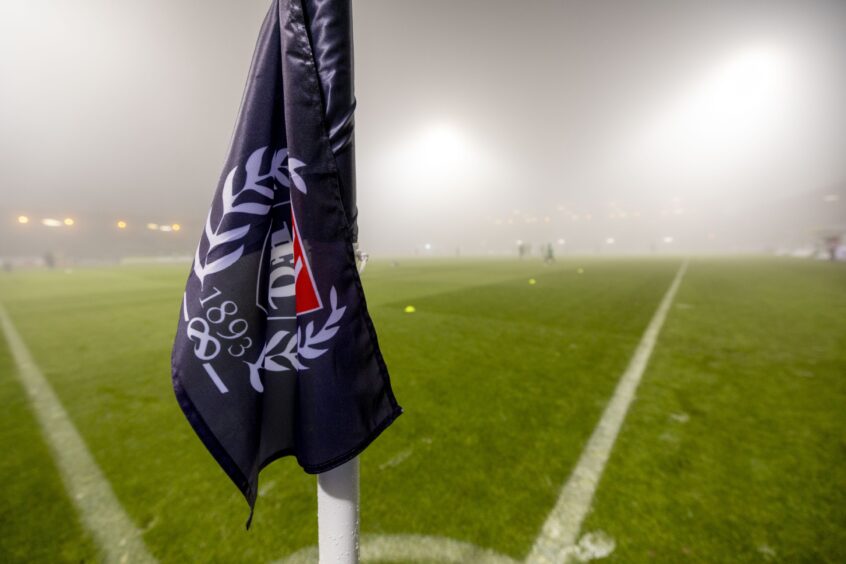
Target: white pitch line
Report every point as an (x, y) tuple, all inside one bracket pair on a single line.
[(116, 535), (411, 548), (562, 527)]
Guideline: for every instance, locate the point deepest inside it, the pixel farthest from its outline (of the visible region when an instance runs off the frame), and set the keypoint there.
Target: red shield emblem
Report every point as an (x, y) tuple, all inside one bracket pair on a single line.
[(308, 300)]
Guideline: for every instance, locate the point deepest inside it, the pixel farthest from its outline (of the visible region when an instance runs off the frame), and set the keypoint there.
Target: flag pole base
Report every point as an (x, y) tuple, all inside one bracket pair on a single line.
[(337, 514)]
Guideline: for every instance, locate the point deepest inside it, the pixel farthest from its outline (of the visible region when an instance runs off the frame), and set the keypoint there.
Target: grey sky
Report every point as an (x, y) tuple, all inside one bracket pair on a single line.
[(695, 116)]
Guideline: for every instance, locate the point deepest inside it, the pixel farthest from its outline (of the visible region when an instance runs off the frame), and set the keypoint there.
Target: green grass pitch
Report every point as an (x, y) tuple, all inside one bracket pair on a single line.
[(734, 449)]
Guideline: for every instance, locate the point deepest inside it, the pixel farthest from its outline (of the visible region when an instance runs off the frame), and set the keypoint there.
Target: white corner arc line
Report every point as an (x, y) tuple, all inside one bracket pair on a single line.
[(117, 537), (410, 548), (564, 522)]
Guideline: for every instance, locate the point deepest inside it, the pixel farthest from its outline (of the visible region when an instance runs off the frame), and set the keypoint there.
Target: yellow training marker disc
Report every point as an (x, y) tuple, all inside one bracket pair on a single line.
[(409, 309), (532, 281)]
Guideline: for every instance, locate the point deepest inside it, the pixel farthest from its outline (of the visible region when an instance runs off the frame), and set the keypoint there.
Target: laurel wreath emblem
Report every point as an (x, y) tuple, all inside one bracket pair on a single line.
[(303, 343), (282, 171)]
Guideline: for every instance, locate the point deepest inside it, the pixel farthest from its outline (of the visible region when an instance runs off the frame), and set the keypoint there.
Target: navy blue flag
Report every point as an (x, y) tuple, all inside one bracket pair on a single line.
[(275, 353)]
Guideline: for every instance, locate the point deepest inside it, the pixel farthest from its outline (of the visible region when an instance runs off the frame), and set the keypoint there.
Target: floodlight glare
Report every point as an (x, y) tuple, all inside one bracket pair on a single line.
[(23, 219), (610, 240), (50, 222), (68, 221), (152, 226), (121, 224), (176, 227)]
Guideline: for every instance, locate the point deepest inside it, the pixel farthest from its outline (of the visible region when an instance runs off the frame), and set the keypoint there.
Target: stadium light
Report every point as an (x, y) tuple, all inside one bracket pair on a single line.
[(561, 241), (121, 224), (668, 239), (22, 219), (50, 222), (158, 227), (609, 240), (428, 246), (68, 221)]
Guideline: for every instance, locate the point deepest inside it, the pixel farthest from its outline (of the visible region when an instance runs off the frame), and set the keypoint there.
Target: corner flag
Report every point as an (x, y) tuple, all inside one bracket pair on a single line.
[(275, 353)]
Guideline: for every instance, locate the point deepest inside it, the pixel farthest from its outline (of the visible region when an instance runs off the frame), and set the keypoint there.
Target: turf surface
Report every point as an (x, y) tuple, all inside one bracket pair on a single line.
[(734, 449), (37, 521), (736, 445)]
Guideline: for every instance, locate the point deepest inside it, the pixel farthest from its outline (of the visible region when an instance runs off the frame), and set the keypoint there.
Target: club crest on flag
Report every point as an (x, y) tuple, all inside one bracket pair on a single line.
[(286, 286)]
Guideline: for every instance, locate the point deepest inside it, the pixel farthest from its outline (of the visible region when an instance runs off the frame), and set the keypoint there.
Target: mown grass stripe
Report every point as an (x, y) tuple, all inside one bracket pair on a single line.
[(560, 531), (116, 535)]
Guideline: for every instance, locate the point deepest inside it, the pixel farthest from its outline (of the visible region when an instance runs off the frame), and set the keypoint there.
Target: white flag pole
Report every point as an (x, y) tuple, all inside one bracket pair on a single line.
[(337, 514), (337, 500)]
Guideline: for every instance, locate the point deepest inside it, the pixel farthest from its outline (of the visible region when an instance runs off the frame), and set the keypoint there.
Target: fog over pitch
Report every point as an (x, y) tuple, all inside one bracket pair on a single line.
[(654, 125)]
